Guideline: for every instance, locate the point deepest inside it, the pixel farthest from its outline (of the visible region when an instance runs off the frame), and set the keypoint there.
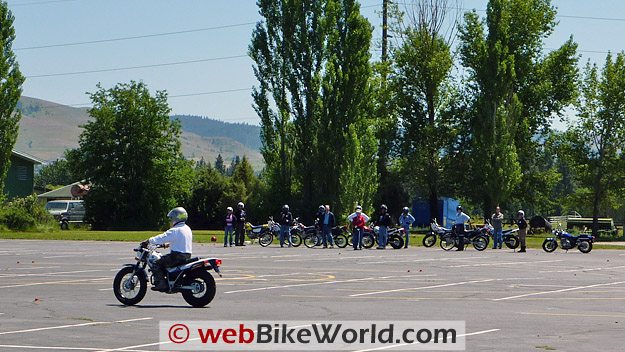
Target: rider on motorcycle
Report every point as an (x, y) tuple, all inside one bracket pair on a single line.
[(179, 237)]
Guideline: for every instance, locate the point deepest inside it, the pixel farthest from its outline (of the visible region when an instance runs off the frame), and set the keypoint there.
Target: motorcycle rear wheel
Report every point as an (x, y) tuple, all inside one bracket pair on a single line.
[(205, 291), (125, 286), (367, 241), (448, 242), (296, 239), (340, 241), (512, 242), (311, 240), (584, 246)]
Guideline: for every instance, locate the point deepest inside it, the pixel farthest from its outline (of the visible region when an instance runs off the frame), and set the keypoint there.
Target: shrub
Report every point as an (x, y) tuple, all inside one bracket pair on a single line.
[(24, 214), (17, 219)]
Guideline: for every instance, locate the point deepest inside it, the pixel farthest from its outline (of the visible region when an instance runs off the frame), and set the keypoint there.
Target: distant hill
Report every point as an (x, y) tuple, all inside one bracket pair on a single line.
[(47, 129)]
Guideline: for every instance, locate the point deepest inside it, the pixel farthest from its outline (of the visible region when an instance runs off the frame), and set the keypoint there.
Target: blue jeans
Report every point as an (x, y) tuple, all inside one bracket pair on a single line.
[(498, 238), (229, 235), (357, 238), (327, 235), (407, 235), (382, 236), (285, 234)]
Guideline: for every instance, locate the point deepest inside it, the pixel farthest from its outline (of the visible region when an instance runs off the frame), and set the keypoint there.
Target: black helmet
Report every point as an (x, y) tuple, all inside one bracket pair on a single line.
[(383, 206), (285, 207), (459, 208), (321, 207)]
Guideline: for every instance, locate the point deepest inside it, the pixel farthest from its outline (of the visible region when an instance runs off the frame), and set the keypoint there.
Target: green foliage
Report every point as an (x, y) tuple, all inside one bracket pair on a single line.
[(11, 80), (56, 173), (130, 152), (23, 214), (595, 140), (515, 91), (220, 166), (312, 64)]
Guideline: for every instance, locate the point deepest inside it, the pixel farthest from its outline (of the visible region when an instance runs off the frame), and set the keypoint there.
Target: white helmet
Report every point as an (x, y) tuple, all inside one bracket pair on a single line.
[(229, 208), (521, 212), (241, 205), (178, 214)]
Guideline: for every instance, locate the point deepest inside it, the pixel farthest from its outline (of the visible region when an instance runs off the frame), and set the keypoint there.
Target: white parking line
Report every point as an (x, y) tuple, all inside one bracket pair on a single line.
[(417, 342), (315, 284), (582, 269), (505, 263), (72, 326), (55, 282), (61, 348), (558, 291), (421, 288), (51, 273)]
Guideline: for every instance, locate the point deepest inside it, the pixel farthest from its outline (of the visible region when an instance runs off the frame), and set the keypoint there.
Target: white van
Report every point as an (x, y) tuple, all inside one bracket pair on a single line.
[(60, 207)]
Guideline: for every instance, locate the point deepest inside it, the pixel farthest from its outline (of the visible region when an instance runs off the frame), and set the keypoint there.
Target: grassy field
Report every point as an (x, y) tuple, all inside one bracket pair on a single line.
[(200, 236)]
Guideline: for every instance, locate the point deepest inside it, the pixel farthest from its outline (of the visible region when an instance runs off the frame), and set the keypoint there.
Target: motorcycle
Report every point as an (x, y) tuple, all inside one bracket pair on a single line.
[(263, 233), (583, 242), (191, 279), (295, 233), (368, 238), (510, 239), (395, 236), (475, 237), (315, 238), (436, 231)]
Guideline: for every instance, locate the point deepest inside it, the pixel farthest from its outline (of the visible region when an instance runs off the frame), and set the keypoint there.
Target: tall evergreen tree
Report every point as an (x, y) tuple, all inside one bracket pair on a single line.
[(220, 166), (11, 80)]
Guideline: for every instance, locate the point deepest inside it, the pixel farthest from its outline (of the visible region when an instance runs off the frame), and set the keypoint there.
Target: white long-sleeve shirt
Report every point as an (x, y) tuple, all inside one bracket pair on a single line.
[(353, 215), (179, 237), (462, 218)]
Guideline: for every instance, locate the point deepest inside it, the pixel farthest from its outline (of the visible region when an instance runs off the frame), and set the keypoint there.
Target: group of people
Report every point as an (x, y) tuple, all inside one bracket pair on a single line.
[(234, 232), (496, 221), (383, 221)]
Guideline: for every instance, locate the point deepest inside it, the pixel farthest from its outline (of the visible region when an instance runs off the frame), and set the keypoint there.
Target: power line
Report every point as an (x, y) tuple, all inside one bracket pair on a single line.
[(39, 2), (135, 37), (135, 67)]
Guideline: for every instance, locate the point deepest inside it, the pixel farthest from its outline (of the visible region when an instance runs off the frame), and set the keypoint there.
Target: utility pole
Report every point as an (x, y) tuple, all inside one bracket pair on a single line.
[(384, 30)]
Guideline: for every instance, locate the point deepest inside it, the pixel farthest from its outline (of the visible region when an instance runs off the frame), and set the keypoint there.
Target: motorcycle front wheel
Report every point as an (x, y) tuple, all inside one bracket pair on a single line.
[(296, 239), (396, 241), (311, 241), (203, 291), (265, 239), (429, 240), (480, 243), (550, 245), (512, 242), (129, 287)]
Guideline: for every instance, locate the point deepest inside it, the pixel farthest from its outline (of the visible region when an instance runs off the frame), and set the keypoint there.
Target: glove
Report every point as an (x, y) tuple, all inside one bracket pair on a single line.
[(144, 244)]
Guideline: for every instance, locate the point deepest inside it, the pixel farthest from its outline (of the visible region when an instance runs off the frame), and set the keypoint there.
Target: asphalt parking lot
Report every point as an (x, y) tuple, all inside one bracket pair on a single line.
[(56, 295)]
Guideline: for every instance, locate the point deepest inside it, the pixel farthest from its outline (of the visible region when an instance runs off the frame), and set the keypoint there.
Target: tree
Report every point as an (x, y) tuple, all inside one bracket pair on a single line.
[(421, 80), (312, 64), (130, 152), (56, 173), (220, 166), (516, 91), (596, 138), (11, 80)]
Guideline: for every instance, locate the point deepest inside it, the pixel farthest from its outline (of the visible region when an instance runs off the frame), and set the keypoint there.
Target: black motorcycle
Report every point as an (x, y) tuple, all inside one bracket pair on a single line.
[(191, 279), (436, 231), (476, 237), (314, 237), (510, 239), (582, 242)]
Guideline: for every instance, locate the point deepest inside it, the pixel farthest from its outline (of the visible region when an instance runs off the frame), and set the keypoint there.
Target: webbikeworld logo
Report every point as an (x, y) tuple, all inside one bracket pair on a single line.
[(308, 336)]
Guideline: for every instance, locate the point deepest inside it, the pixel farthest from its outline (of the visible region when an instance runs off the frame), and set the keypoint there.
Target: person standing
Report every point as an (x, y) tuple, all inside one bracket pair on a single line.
[(327, 223), (406, 220), (239, 230), (358, 220), (522, 224), (286, 221), (461, 220), (229, 229), (497, 221), (383, 222)]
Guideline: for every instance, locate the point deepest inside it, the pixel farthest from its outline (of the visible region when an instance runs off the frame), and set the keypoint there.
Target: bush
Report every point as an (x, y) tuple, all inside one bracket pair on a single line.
[(24, 214)]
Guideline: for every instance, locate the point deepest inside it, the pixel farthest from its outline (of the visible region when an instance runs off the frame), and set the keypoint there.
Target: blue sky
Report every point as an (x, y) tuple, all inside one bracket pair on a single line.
[(47, 22)]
